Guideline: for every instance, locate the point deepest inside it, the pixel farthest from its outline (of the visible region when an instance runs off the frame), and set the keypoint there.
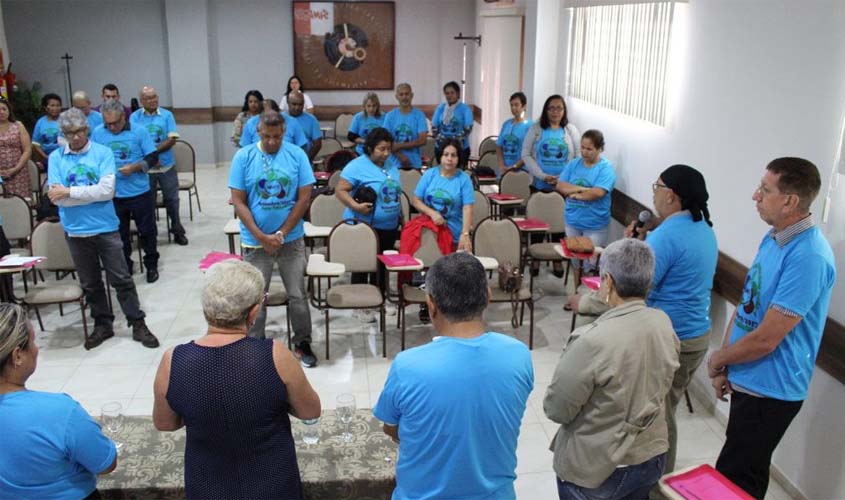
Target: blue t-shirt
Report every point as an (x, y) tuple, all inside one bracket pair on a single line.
[(685, 255), (160, 126), (52, 448), (293, 132), (271, 183), (46, 134), (81, 170), (447, 195), (407, 127), (510, 140), (458, 404), (459, 126), (552, 155), (363, 125), (593, 214), (385, 182), (129, 146), (799, 278), (95, 119), (310, 128)]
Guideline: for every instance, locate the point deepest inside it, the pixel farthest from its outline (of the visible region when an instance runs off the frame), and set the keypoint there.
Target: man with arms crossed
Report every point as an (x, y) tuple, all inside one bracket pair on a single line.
[(457, 403)]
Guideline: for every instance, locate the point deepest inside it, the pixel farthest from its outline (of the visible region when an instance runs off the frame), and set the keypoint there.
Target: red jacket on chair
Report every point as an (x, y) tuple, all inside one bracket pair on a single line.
[(409, 241)]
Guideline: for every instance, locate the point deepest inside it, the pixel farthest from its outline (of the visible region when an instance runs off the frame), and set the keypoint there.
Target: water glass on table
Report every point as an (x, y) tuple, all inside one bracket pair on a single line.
[(111, 417), (345, 408), (311, 431)]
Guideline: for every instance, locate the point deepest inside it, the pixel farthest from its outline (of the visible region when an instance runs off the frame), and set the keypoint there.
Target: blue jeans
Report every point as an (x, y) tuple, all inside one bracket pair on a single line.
[(598, 237), (168, 181), (632, 482), (290, 259)]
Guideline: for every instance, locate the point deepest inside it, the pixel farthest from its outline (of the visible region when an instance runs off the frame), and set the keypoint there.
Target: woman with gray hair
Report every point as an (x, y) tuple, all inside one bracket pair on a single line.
[(233, 393), (610, 385), (51, 447)]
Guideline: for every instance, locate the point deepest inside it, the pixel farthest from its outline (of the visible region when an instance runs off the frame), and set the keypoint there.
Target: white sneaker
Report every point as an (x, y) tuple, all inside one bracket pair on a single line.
[(366, 316)]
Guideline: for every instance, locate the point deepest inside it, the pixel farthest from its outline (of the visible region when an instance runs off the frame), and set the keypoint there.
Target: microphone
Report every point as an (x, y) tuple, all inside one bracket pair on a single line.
[(642, 219)]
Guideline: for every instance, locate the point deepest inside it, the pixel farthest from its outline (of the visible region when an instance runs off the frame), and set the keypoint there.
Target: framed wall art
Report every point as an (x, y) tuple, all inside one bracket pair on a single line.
[(344, 45)]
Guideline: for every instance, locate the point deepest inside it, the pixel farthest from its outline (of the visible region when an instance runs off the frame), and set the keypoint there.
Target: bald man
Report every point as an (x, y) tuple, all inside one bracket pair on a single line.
[(161, 126)]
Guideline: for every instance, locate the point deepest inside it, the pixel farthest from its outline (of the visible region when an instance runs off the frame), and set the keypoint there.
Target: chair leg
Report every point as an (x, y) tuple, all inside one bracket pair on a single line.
[(402, 312), (287, 318), (574, 317), (38, 315), (689, 401), (197, 194), (382, 320), (566, 275), (522, 314), (84, 321), (25, 287), (61, 310), (326, 312), (190, 206), (531, 325)]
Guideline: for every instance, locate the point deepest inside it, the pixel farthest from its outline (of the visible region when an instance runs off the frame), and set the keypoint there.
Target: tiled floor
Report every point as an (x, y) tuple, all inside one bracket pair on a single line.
[(122, 370)]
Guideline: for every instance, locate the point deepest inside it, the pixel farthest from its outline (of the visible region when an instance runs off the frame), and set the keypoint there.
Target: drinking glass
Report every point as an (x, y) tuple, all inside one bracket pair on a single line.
[(111, 416), (345, 408), (311, 431)]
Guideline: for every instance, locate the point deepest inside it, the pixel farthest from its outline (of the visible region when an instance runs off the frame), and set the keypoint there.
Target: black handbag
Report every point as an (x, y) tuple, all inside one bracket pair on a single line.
[(365, 194)]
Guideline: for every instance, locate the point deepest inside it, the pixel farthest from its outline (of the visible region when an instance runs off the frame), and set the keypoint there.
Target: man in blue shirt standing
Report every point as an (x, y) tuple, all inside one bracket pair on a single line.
[(456, 403), (134, 154), (310, 126), (771, 343), (161, 126), (81, 180), (271, 183), (110, 92), (408, 127), (82, 102)]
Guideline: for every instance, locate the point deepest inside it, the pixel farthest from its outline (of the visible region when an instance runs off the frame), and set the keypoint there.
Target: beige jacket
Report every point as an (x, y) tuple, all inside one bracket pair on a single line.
[(608, 393)]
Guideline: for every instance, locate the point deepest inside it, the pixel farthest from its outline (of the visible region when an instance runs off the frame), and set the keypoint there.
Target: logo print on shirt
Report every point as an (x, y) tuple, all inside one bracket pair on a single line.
[(554, 151), (403, 133), (120, 151), (82, 175), (511, 144), (390, 190), (751, 290), (51, 135), (273, 185), (440, 201), (156, 132)]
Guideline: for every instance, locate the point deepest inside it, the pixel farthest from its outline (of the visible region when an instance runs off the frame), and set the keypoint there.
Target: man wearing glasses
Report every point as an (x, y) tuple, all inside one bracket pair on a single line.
[(81, 180), (770, 346)]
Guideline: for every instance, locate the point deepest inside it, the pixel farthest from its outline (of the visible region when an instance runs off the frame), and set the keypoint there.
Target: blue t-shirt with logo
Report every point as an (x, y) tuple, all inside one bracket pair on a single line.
[(459, 405), (593, 214), (510, 140), (363, 125), (459, 125), (407, 127), (271, 183), (160, 126), (46, 134), (95, 119), (385, 182), (310, 127), (51, 447), (448, 196), (797, 277), (82, 170), (685, 255), (293, 132), (129, 146), (552, 155)]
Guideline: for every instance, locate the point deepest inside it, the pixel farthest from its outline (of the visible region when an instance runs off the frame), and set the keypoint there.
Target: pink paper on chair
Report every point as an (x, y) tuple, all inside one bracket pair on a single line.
[(502, 197), (531, 223), (591, 282), (215, 257), (398, 260), (706, 483), (322, 176)]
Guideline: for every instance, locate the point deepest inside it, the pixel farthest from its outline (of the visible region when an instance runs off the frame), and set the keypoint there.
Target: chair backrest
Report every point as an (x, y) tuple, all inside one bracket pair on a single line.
[(329, 147), (487, 145), (341, 125), (489, 159), (326, 210), (547, 207), (409, 178), (498, 239), (405, 205), (185, 157), (516, 183), (480, 209), (17, 217), (34, 186), (48, 240), (429, 250), (427, 150), (355, 245), (334, 179)]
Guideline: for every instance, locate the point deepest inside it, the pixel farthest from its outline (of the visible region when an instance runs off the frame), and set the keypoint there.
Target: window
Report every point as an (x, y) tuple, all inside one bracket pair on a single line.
[(619, 55)]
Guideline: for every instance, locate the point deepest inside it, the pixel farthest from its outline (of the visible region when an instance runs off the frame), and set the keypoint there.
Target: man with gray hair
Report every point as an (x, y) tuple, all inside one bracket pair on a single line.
[(81, 180), (271, 183), (457, 403), (82, 102), (409, 128)]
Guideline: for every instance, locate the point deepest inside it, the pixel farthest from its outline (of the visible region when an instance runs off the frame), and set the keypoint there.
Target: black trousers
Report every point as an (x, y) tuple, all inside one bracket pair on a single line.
[(386, 239), (755, 427), (142, 209)]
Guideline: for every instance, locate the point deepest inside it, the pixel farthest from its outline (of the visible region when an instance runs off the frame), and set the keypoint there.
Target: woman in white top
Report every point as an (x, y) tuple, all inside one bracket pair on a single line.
[(294, 83)]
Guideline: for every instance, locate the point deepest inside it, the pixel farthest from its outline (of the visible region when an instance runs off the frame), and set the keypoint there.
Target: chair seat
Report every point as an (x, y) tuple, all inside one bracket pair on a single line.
[(232, 227), (544, 251), (23, 252), (354, 296), (413, 294), (277, 295), (186, 183), (499, 295), (346, 143), (53, 294)]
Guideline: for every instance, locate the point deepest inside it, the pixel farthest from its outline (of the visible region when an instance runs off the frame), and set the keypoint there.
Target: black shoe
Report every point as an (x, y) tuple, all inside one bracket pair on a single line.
[(180, 239), (152, 275), (305, 354), (131, 266), (424, 317), (142, 334), (98, 336)]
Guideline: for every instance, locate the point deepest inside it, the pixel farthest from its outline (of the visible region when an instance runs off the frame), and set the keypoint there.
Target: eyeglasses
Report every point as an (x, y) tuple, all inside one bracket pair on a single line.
[(74, 133), (657, 185), (555, 108)]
